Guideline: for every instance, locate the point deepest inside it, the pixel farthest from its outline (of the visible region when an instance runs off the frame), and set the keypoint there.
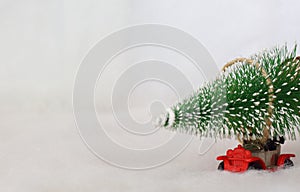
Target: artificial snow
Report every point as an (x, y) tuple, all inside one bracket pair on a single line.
[(44, 152)]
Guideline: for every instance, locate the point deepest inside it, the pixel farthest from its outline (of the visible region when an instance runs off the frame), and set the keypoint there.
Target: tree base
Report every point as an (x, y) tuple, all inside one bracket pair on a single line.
[(257, 145)]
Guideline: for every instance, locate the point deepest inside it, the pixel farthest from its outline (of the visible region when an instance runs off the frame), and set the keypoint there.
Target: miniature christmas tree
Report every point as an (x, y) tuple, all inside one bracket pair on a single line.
[(252, 99)]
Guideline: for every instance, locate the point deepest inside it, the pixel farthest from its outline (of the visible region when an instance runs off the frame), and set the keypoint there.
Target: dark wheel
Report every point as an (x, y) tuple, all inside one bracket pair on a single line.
[(288, 163), (254, 166), (221, 166)]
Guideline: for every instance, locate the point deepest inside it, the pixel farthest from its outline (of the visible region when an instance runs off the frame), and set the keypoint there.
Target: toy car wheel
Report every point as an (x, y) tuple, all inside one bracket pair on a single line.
[(221, 166), (255, 166), (288, 163)]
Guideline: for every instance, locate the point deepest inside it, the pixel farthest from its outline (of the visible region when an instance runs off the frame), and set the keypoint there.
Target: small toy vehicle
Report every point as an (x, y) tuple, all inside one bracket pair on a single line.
[(241, 159)]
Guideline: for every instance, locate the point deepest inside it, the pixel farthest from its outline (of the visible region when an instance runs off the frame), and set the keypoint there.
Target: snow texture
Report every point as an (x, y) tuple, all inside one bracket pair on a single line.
[(46, 153)]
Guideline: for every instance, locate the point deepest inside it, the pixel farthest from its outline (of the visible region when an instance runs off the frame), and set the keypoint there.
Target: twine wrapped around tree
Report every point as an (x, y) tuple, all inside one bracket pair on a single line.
[(266, 132), (253, 101)]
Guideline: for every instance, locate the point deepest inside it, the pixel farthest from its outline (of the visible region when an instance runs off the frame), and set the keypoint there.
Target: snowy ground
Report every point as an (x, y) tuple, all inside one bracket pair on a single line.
[(44, 152)]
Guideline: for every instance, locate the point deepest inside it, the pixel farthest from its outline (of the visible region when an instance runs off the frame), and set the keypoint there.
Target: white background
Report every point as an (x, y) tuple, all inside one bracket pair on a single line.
[(42, 44)]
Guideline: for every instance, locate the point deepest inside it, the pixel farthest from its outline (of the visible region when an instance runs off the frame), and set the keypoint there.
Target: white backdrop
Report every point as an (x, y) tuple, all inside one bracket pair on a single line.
[(42, 44)]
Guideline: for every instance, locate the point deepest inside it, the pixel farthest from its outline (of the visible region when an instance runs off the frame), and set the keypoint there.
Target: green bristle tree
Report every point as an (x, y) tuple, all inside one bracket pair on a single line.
[(252, 99)]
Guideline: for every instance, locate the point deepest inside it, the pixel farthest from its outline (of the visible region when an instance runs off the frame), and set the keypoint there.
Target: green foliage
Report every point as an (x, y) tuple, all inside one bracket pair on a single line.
[(237, 101)]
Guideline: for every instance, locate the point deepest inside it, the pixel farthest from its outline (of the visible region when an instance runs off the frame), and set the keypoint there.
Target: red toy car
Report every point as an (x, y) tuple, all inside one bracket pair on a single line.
[(241, 159)]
